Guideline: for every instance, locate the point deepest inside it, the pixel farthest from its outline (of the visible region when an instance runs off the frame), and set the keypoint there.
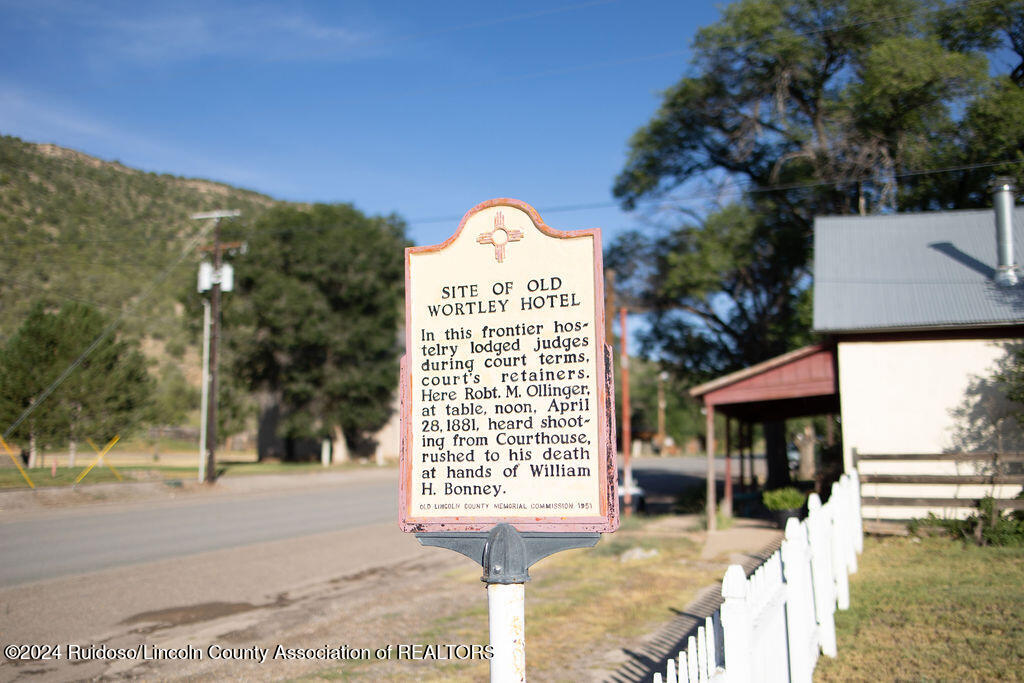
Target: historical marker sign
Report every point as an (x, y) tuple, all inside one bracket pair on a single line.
[(507, 396)]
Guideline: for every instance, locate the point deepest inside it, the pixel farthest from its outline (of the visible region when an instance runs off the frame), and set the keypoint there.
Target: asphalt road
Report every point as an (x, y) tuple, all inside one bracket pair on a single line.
[(87, 539), (247, 563)]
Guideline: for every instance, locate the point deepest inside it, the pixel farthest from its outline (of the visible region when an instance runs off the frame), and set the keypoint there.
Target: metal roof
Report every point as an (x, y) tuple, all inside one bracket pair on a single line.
[(912, 271)]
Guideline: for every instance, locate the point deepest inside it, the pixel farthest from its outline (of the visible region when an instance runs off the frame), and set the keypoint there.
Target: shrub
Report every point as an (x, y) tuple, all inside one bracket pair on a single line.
[(788, 498), (988, 526)]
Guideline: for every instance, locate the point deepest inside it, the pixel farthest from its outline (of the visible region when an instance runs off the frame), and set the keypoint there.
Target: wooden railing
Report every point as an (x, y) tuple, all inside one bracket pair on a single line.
[(905, 486)]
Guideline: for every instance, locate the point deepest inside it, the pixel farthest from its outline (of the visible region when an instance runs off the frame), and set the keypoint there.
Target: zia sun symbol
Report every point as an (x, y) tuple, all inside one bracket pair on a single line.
[(500, 236)]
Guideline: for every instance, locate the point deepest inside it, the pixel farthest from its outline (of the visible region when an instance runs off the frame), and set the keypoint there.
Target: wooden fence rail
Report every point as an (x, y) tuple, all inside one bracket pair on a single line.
[(901, 487), (773, 624)]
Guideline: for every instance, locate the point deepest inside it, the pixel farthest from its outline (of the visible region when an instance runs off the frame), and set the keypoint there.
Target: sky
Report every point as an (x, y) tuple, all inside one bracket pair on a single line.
[(424, 109)]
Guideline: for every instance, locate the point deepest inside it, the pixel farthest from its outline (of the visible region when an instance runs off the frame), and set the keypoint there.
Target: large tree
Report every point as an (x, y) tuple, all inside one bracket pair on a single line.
[(313, 324), (801, 108), (107, 392)]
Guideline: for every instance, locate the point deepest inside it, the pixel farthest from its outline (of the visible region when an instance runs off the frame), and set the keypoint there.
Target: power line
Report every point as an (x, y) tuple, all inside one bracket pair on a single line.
[(105, 333), (661, 55), (112, 308), (37, 260), (739, 188), (869, 22), (83, 242)]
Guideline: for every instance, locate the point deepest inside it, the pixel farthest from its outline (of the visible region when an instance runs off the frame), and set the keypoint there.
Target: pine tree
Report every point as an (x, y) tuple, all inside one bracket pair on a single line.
[(108, 392)]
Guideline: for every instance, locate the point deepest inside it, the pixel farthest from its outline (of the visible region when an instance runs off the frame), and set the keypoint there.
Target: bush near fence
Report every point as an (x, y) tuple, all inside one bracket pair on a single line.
[(773, 625)]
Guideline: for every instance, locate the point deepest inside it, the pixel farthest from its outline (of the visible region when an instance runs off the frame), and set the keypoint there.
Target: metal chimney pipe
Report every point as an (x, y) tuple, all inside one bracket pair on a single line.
[(1007, 273)]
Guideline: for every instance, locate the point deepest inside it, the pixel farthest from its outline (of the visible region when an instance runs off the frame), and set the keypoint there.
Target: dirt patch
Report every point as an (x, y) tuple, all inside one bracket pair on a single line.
[(191, 614)]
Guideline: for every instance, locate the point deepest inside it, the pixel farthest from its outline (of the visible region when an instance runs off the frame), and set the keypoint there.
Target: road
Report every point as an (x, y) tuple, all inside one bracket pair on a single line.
[(664, 479), (88, 540), (203, 567), (319, 560), (80, 540)]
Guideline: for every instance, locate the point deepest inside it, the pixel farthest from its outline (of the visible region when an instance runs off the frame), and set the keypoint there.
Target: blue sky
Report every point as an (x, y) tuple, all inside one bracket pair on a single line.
[(419, 108)]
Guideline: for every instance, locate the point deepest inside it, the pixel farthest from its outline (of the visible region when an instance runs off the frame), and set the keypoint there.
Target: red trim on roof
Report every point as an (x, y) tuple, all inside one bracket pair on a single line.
[(804, 373)]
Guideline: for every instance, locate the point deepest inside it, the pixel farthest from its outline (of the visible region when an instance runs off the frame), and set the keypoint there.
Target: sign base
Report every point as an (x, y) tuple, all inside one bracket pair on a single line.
[(505, 553)]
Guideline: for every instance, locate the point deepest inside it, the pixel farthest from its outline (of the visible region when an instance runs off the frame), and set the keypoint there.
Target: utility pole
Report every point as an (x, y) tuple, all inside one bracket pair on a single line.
[(609, 304), (204, 401), (627, 433), (216, 278)]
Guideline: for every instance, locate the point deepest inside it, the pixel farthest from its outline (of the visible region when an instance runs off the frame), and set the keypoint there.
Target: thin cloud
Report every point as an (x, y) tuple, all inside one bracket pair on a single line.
[(251, 33), (40, 119), (169, 32), (178, 32)]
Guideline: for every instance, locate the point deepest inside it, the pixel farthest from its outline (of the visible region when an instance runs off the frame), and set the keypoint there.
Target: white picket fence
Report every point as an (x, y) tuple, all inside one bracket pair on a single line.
[(772, 625)]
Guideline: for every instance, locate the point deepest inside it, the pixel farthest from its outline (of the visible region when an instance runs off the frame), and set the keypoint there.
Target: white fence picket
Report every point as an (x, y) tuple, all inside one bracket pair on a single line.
[(801, 623), (691, 660), (819, 531), (775, 622)]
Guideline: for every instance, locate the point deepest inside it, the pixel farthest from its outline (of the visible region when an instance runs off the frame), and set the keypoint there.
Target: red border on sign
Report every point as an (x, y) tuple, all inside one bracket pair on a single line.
[(608, 519)]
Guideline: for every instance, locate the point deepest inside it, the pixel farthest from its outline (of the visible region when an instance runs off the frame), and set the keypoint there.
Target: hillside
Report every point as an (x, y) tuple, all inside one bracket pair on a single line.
[(73, 227)]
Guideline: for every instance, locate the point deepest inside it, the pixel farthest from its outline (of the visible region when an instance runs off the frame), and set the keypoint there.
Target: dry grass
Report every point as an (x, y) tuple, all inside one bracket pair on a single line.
[(932, 609), (581, 605)]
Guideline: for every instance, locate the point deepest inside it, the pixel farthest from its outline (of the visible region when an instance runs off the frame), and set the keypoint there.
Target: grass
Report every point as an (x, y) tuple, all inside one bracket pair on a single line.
[(577, 602), (932, 609), (10, 478)]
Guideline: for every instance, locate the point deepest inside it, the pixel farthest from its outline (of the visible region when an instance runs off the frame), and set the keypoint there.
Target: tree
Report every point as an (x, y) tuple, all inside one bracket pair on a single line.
[(107, 393), (313, 324), (683, 420), (810, 107), (1010, 378)]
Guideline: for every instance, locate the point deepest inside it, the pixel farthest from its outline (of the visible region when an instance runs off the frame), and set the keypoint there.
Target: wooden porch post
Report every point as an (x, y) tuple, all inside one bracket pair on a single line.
[(743, 451), (727, 500), (709, 508)]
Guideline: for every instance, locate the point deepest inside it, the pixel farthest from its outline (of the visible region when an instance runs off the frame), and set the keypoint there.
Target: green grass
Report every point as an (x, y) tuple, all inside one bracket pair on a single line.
[(162, 445), (10, 478), (66, 476), (932, 609)]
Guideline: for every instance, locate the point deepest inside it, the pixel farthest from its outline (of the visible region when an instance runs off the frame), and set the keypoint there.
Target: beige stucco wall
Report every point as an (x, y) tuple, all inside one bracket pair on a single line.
[(918, 396)]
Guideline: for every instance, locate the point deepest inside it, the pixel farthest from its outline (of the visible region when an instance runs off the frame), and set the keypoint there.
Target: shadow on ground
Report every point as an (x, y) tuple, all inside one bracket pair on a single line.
[(653, 657)]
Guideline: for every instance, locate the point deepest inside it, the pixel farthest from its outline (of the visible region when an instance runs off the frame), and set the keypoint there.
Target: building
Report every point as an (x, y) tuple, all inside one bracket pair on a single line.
[(917, 313), (922, 311)]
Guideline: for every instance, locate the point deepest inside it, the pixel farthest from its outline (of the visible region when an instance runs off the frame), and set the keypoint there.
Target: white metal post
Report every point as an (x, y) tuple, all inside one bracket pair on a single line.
[(204, 402), (507, 621)]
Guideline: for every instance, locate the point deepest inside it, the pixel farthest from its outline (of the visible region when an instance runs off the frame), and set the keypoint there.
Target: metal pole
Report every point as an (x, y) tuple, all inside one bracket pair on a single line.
[(507, 627), (627, 435), (204, 401), (211, 418), (506, 556)]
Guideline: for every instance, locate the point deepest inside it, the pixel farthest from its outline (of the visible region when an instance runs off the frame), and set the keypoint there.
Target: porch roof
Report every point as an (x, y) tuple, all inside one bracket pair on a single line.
[(795, 384)]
